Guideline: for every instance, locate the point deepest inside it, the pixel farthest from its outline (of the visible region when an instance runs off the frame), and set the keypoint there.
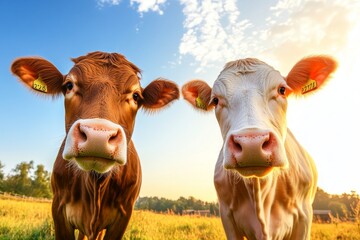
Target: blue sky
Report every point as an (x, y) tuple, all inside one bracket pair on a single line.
[(184, 40)]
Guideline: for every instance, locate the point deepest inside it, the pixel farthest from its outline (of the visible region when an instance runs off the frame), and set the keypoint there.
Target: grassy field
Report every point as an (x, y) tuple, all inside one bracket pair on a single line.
[(32, 220)]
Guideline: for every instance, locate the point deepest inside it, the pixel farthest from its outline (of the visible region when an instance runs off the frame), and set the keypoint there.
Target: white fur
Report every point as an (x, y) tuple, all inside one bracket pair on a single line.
[(278, 205)]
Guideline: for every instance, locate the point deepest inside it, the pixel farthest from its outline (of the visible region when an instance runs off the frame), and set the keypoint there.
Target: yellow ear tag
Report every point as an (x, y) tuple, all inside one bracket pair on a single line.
[(200, 104), (39, 85), (309, 86)]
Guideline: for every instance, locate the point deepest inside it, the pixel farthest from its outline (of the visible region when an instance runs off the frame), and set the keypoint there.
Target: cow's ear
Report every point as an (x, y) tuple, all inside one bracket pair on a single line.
[(39, 75), (159, 93), (310, 73), (198, 94)]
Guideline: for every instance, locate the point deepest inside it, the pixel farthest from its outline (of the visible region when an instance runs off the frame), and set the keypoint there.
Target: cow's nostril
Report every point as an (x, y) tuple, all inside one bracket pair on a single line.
[(268, 142), (235, 144), (266, 145), (115, 137), (82, 133)]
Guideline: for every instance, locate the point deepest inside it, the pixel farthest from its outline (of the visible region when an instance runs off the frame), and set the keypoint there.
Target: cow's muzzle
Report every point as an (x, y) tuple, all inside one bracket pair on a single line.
[(253, 152), (96, 144)]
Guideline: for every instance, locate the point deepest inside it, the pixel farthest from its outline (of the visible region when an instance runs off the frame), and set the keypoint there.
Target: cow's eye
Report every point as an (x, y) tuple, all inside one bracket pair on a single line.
[(136, 97), (215, 101), (282, 91), (69, 86)]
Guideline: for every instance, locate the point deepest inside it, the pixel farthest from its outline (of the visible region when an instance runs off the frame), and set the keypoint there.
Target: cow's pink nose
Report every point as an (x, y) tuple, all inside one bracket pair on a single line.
[(96, 144), (253, 148), (97, 140)]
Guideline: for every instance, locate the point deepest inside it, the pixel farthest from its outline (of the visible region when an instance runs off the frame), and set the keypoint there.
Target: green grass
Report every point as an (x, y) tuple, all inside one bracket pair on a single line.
[(32, 220)]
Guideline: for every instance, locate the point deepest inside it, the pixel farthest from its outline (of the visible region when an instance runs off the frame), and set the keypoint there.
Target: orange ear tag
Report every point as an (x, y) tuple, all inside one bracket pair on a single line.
[(200, 104), (39, 85), (309, 86)]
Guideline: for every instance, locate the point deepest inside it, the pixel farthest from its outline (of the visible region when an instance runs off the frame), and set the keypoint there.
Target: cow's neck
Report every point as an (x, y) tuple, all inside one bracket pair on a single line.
[(259, 206), (96, 186), (96, 183), (259, 193)]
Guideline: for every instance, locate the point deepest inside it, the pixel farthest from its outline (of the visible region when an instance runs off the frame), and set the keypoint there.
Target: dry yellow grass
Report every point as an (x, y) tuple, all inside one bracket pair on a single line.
[(25, 220), (340, 231), (147, 225), (32, 220)]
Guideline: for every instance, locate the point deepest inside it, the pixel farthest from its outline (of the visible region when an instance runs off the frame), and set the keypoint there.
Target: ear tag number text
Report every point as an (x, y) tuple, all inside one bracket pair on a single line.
[(309, 86), (200, 104), (39, 85)]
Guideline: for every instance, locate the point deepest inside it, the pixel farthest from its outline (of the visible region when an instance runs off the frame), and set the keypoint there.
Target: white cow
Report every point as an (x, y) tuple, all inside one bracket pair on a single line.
[(265, 180)]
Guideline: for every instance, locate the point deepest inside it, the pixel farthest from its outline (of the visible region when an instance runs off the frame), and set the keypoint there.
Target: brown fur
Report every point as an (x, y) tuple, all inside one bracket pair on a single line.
[(151, 95), (105, 84), (30, 69), (197, 88)]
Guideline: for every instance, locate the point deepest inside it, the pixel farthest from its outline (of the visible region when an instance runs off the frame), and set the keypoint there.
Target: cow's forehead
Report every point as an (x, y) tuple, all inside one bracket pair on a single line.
[(86, 75), (106, 59), (100, 67), (245, 73)]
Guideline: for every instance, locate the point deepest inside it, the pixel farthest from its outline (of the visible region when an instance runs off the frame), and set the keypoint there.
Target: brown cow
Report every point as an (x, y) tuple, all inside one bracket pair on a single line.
[(265, 180), (97, 174)]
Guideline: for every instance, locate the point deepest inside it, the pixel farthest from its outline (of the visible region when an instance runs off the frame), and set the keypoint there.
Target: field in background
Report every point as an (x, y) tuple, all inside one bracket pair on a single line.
[(32, 220), (21, 219)]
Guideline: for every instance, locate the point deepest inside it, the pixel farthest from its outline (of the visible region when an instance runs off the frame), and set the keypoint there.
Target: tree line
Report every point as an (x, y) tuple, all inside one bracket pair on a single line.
[(25, 179), (163, 205), (344, 206)]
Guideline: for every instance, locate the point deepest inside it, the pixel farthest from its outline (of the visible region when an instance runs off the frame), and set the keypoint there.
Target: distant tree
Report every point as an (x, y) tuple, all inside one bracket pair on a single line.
[(20, 181), (355, 208), (214, 209), (322, 200), (181, 204), (340, 205), (177, 206), (141, 203), (1, 171), (41, 183), (338, 209), (2, 187), (354, 194), (350, 199)]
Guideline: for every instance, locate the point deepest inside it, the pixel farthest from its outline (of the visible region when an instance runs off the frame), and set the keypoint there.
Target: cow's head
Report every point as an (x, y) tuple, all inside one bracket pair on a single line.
[(102, 96), (250, 101)]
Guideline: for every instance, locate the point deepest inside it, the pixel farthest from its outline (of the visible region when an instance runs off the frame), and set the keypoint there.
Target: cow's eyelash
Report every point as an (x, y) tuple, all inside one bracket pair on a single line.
[(215, 101), (283, 90), (68, 86), (136, 96)]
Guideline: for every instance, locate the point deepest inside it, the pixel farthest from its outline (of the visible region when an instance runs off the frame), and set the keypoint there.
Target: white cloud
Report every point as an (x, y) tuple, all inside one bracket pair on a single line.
[(148, 5), (142, 5), (307, 27), (286, 5), (109, 2), (216, 32), (213, 31)]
